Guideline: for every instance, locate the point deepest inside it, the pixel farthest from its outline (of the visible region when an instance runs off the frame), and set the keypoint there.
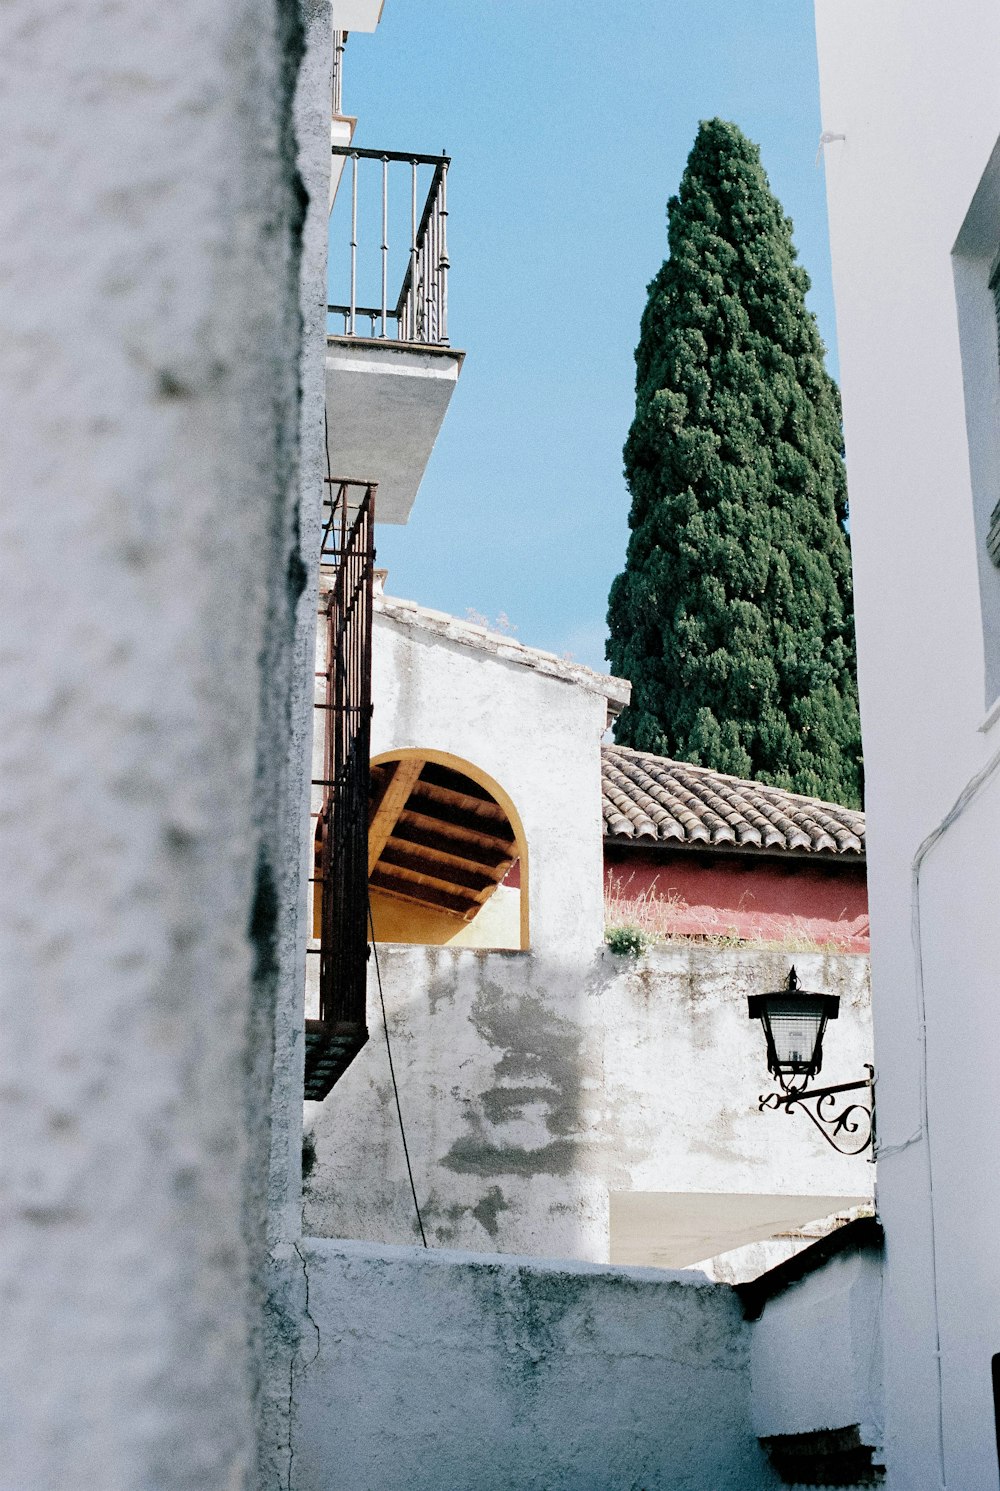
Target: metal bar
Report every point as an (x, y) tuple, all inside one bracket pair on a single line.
[(354, 240), (411, 319), (787, 1100), (422, 225), (343, 873), (445, 262), (361, 310), (339, 40), (385, 240), (406, 156), (431, 275)]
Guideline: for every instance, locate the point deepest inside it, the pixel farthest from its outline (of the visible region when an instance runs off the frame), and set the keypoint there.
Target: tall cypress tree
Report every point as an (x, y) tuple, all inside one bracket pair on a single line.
[(733, 617)]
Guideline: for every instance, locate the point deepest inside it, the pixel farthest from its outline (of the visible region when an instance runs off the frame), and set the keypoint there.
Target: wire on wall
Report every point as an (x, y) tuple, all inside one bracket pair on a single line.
[(392, 1074)]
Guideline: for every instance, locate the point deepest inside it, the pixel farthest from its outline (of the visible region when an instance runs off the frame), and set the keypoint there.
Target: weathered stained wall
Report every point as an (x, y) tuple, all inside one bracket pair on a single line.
[(534, 1086), (438, 1371), (149, 335), (766, 899)]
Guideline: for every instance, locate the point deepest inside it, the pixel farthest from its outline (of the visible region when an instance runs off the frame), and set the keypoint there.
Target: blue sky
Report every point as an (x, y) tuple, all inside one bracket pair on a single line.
[(568, 124)]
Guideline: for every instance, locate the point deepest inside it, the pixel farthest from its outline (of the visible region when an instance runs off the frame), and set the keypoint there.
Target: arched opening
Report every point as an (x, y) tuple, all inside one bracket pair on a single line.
[(447, 856)]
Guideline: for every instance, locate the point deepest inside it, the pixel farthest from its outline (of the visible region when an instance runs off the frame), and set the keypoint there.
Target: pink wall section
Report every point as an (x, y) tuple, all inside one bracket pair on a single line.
[(763, 899)]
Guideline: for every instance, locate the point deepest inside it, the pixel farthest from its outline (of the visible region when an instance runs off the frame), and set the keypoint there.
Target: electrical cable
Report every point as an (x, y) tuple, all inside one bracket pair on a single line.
[(392, 1074)]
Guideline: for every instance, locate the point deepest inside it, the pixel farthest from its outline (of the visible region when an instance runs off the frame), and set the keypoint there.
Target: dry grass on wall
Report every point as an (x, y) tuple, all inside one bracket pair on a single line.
[(633, 922)]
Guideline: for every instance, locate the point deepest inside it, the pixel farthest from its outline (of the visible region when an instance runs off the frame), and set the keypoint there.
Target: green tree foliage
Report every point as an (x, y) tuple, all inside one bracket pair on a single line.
[(733, 617)]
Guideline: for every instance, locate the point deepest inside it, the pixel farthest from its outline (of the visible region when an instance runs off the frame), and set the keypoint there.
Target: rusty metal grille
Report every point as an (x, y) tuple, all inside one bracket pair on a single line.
[(337, 1036)]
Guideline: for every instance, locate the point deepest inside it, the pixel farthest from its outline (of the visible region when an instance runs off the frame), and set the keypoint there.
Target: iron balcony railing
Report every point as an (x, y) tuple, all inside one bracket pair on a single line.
[(339, 41), (333, 1041), (420, 311)]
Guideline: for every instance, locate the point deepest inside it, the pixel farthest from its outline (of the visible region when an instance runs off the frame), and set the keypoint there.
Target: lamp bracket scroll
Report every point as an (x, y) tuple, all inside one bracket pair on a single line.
[(794, 1021), (848, 1127)]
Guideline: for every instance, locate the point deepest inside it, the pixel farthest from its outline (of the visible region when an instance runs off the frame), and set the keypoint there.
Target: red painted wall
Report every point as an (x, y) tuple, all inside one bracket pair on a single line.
[(769, 900)]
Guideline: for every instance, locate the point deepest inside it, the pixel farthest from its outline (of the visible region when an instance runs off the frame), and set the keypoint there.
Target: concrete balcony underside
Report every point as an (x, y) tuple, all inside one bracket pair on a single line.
[(386, 402)]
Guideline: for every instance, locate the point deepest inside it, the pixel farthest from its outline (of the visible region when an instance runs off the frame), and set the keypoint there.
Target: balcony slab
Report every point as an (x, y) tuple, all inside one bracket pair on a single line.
[(356, 15), (386, 402)]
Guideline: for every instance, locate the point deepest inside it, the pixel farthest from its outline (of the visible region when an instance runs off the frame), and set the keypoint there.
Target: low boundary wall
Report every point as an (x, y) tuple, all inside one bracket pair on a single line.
[(443, 1371)]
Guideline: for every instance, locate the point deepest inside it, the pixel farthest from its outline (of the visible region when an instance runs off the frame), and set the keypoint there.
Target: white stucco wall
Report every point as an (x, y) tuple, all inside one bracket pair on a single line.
[(536, 1085), (538, 736), (439, 1371), (149, 335), (815, 1353), (914, 87)]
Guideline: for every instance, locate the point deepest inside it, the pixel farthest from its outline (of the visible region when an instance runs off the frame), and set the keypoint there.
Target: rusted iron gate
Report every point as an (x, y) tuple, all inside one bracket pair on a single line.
[(338, 1035)]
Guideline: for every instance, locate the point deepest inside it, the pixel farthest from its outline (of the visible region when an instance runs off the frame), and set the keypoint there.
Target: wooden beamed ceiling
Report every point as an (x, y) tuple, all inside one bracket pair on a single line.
[(436, 837)]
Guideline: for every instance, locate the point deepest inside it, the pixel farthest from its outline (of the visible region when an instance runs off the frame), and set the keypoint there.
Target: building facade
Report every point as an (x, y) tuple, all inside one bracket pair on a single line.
[(561, 1100), (911, 120)]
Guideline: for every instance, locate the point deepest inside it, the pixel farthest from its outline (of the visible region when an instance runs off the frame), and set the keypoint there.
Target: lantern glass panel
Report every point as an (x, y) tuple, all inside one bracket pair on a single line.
[(796, 1026)]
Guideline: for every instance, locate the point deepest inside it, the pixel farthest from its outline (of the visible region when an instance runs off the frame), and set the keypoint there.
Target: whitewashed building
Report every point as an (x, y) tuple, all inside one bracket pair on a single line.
[(911, 120), (560, 1100)]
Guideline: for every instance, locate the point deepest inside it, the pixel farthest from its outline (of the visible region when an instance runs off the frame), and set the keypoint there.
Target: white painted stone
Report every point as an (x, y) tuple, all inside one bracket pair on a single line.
[(439, 1371), (914, 87)]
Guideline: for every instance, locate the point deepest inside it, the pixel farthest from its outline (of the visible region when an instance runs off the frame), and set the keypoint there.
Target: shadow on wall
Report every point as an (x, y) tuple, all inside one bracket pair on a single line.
[(500, 1078), (533, 1089)]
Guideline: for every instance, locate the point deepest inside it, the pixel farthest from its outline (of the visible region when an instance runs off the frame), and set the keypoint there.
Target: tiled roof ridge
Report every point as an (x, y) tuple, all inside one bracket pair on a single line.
[(656, 798), (722, 776)]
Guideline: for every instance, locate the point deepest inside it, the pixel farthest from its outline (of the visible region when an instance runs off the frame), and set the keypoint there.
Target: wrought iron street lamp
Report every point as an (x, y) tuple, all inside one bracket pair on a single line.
[(795, 1021)]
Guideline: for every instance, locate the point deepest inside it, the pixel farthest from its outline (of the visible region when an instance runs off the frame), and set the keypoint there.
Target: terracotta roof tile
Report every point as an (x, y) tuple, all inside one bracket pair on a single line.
[(653, 799)]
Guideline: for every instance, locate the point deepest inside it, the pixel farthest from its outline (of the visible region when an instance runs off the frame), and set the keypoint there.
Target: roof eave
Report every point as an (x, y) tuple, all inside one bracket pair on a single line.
[(748, 851)]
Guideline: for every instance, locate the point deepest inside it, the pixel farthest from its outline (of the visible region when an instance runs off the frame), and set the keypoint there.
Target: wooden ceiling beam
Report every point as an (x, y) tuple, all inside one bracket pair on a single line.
[(437, 775), (427, 895), (393, 801), (484, 808), (436, 869), (491, 831), (457, 845)]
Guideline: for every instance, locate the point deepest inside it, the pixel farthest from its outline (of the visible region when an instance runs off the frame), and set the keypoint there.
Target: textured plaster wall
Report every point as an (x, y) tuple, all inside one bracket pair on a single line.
[(284, 1316), (149, 333), (439, 1371), (816, 1352), (533, 1086), (915, 87)]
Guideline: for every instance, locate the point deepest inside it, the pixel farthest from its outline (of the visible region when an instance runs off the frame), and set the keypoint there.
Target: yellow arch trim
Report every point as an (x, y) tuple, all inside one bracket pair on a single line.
[(484, 780)]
